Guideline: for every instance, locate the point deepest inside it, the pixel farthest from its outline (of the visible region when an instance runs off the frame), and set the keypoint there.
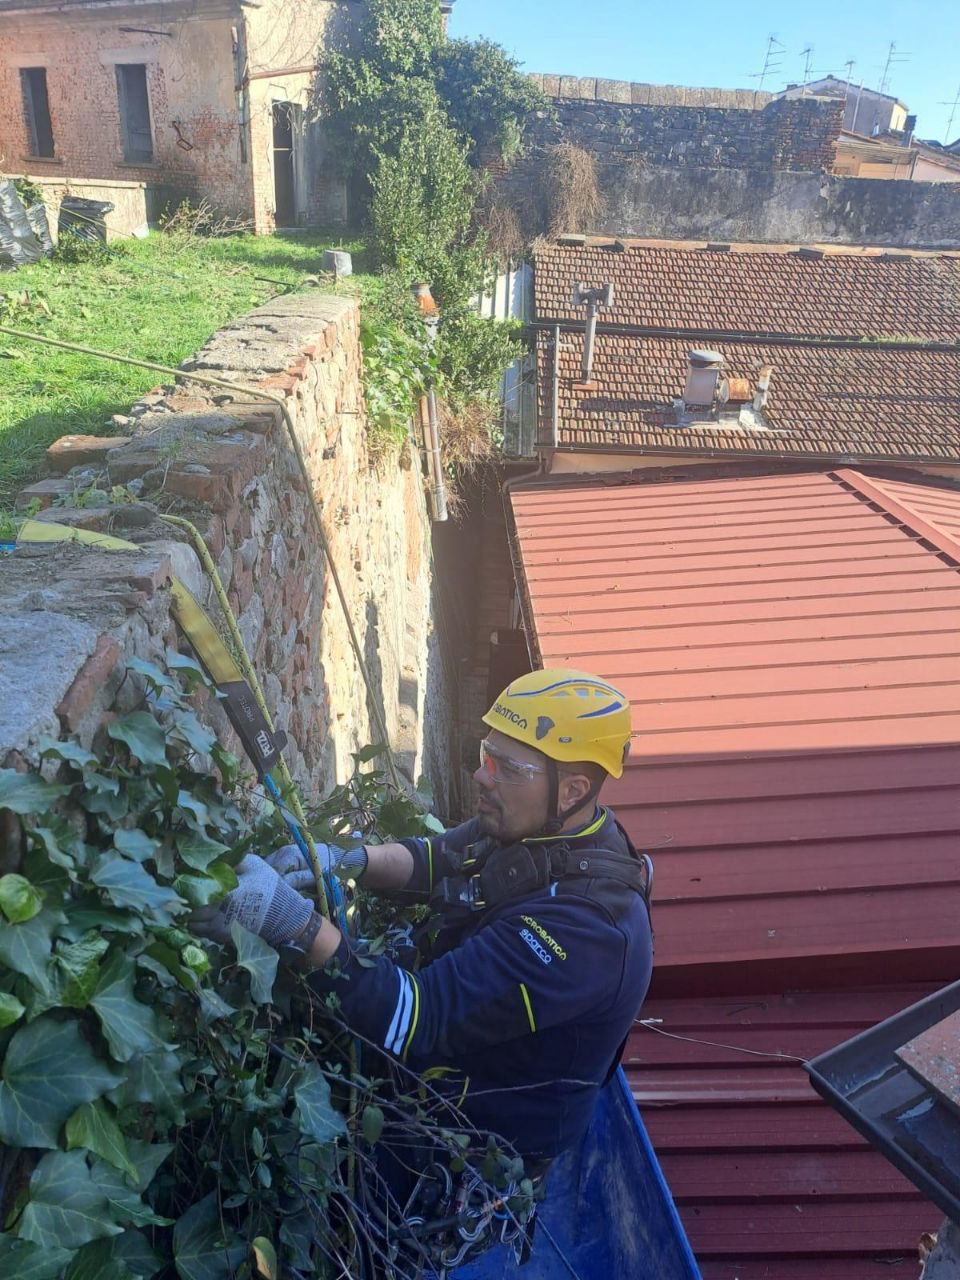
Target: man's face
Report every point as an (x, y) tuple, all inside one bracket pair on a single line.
[(513, 787)]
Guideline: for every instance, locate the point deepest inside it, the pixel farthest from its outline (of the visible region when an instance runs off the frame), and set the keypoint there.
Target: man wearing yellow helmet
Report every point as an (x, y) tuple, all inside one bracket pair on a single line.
[(538, 950)]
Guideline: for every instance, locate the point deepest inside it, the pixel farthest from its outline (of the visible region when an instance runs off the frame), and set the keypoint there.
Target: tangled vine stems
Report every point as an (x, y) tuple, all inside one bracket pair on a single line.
[(169, 1109)]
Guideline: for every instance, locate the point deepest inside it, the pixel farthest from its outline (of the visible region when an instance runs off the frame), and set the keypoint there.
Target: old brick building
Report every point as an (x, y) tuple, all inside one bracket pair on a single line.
[(198, 98)]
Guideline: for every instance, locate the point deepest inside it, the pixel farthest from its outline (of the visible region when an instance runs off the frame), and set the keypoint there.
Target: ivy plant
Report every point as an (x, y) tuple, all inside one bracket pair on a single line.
[(170, 1108)]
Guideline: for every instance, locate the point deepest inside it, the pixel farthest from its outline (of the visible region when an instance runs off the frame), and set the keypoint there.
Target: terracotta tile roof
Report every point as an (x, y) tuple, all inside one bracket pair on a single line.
[(840, 294), (846, 398), (857, 402)]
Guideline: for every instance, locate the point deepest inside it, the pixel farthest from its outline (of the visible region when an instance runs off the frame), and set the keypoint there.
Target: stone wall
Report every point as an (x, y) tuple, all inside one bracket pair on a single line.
[(684, 128), (72, 615)]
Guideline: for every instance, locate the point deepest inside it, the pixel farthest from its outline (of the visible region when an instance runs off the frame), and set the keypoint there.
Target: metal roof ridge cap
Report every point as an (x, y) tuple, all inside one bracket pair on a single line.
[(932, 533)]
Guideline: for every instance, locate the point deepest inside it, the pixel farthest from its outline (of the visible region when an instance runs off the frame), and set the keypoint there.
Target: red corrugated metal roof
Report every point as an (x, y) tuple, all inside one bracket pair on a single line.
[(791, 648), (770, 1182)]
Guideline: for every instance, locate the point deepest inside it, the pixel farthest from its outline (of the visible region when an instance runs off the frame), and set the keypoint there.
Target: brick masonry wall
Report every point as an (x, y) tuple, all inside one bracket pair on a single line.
[(193, 105), (72, 615)]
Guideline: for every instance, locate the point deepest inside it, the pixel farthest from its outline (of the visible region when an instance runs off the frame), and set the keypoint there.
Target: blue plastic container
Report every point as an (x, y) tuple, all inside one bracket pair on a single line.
[(608, 1210)]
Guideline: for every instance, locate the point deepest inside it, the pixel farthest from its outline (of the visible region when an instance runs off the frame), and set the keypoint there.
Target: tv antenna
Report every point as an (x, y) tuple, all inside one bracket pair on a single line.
[(954, 108), (893, 59), (771, 62)]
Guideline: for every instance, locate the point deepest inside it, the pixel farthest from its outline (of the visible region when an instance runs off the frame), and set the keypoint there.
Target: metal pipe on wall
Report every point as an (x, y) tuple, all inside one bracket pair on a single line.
[(439, 488)]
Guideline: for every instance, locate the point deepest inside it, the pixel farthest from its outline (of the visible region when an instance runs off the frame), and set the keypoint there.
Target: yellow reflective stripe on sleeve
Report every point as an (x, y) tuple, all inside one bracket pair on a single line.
[(429, 843), (526, 1001), (414, 1019)]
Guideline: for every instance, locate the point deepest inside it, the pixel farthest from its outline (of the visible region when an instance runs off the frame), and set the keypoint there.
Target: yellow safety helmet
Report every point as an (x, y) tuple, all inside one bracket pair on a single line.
[(568, 715)]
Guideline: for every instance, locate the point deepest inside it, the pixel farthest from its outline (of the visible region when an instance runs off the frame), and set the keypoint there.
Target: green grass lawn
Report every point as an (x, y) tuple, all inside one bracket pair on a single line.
[(158, 299)]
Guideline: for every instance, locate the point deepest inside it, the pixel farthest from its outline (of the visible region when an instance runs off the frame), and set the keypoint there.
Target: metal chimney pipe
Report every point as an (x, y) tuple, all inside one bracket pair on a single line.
[(555, 391), (594, 299)]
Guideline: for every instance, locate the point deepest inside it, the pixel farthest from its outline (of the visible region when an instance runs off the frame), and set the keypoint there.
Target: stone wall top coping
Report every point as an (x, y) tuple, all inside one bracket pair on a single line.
[(629, 92)]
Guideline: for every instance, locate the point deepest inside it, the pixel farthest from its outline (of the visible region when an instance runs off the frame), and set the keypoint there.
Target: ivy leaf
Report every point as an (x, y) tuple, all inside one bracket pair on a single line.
[(19, 900), (98, 1261), (25, 948), (135, 844), (212, 1006), (201, 1251), (190, 671), (316, 1115), (194, 810), (259, 959), (197, 737), (265, 1258), (72, 976), (53, 840), (130, 1027), (128, 885), (124, 1199), (102, 796), (198, 850), (153, 1079), (132, 1247), (10, 1009), (66, 1208), (152, 674), (371, 1124), (28, 792), (49, 875), (142, 735), (83, 918), (72, 752), (94, 1128), (26, 1261), (48, 1071), (201, 891)]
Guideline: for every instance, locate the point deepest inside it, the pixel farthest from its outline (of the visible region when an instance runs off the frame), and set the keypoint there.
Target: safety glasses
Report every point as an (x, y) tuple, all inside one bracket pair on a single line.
[(505, 769)]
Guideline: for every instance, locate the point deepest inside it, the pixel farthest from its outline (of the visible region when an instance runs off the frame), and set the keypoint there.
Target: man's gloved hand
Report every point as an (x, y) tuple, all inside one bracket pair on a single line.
[(293, 865), (263, 902)]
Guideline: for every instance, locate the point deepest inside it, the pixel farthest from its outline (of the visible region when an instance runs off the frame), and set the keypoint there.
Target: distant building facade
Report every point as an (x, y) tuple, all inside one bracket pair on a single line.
[(866, 111), (205, 99)]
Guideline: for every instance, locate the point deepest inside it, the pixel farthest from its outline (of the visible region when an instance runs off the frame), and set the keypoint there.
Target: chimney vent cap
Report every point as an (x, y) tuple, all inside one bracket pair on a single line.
[(703, 358)]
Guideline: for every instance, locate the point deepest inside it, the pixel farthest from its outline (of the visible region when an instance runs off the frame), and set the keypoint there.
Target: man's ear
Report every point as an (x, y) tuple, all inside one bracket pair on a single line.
[(574, 788)]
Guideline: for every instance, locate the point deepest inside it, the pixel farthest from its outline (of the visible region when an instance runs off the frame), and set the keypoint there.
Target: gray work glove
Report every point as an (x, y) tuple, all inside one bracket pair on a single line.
[(293, 865), (263, 902)]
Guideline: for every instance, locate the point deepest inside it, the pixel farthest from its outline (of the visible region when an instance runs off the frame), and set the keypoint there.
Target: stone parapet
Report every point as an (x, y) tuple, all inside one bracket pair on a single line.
[(74, 615)]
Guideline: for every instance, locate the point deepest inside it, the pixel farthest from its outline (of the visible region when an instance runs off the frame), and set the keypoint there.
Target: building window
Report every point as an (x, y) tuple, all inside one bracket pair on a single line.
[(134, 113), (36, 110)]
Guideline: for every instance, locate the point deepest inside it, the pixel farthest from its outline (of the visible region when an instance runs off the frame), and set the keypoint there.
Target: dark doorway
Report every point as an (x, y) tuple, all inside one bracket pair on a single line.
[(284, 181)]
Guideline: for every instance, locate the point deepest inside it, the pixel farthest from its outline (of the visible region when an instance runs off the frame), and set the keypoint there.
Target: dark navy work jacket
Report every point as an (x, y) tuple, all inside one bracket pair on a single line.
[(524, 1014)]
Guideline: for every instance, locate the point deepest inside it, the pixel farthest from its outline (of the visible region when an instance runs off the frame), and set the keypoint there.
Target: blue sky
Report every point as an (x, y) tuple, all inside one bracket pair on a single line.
[(721, 45)]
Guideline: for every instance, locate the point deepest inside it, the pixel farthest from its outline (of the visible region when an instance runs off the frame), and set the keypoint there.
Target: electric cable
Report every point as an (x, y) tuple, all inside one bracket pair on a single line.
[(648, 1024)]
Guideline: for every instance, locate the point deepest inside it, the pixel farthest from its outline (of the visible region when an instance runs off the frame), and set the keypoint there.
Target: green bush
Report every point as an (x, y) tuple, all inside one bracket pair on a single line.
[(166, 1106)]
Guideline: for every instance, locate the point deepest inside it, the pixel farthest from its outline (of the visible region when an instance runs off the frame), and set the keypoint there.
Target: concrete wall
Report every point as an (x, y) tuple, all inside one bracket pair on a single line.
[(129, 200), (778, 208), (72, 615)]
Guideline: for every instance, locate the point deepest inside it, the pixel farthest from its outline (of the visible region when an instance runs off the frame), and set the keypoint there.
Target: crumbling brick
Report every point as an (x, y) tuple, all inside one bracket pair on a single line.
[(88, 682)]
